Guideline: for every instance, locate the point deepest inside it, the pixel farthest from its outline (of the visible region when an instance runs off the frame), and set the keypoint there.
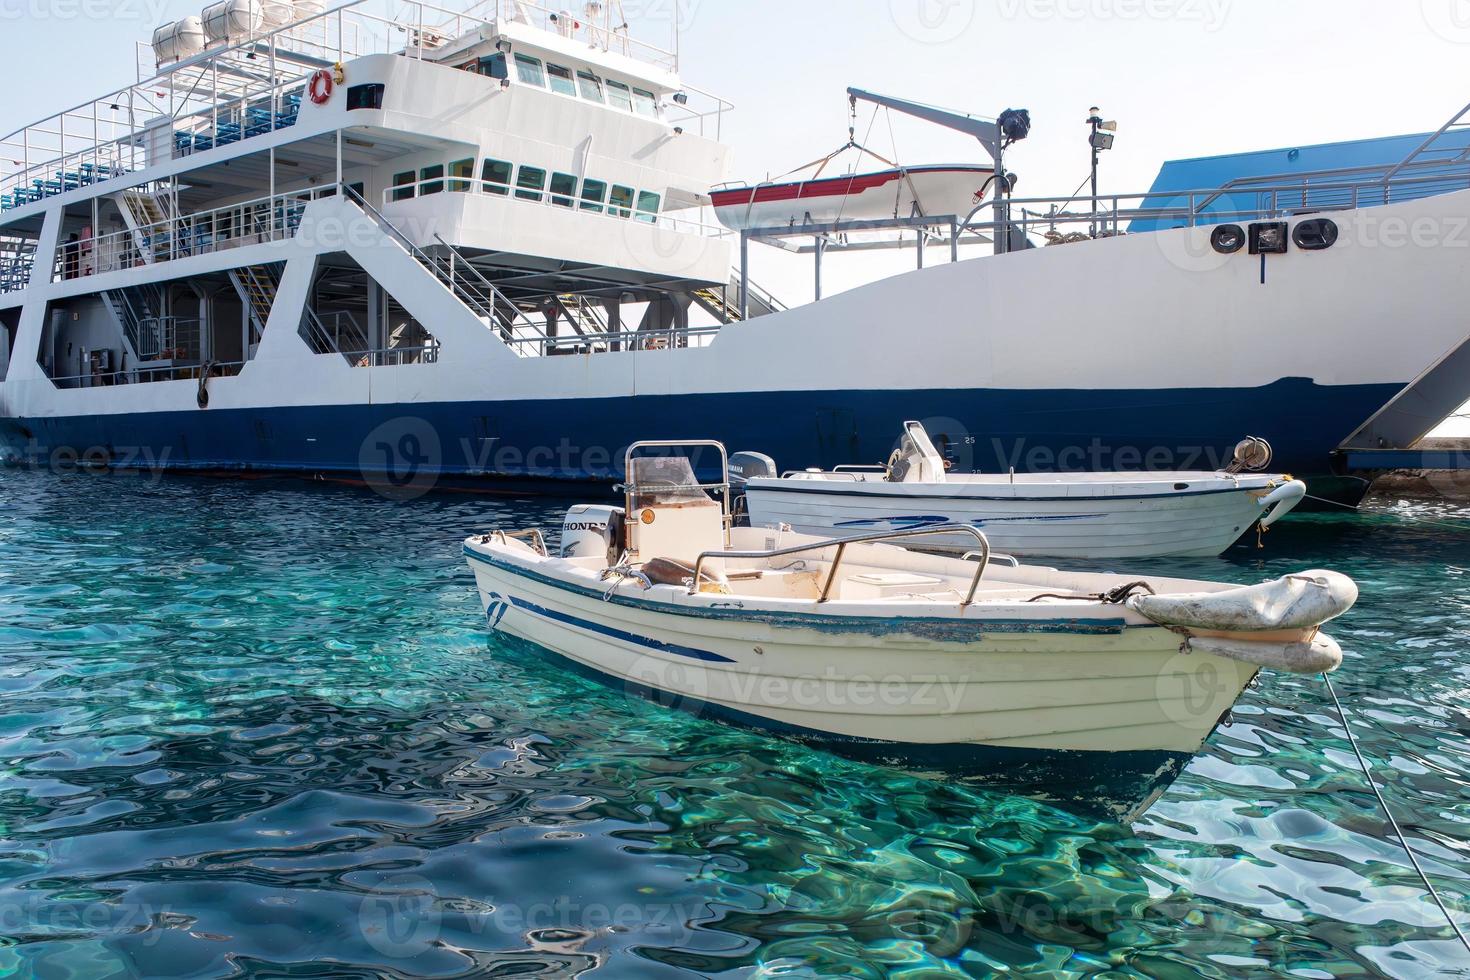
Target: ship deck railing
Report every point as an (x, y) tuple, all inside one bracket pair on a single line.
[(240, 90), (254, 222), (610, 36), (1245, 199), (149, 372), (670, 338)]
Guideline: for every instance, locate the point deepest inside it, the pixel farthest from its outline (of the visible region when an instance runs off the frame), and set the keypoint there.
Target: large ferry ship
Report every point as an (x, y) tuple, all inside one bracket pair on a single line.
[(477, 247)]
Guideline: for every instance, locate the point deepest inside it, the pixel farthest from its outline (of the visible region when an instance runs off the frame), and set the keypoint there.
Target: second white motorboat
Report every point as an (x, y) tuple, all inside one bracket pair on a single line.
[(1091, 691), (1054, 515)]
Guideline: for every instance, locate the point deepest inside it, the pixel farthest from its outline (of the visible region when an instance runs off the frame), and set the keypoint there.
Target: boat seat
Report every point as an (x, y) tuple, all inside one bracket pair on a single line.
[(667, 571)]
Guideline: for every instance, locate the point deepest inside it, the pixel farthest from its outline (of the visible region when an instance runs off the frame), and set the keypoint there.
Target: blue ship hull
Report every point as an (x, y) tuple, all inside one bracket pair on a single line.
[(485, 444)]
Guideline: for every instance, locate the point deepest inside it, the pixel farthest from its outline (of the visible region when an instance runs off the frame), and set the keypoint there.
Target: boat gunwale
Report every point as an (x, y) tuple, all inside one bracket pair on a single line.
[(974, 627), (882, 489)]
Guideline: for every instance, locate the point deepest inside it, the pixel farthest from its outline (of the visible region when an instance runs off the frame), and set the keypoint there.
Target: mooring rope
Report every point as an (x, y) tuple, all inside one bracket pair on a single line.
[(1403, 841), (1384, 513)]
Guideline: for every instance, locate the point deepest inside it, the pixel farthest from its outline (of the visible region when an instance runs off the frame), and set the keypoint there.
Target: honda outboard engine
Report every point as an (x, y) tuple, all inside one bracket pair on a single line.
[(745, 467), (593, 531)]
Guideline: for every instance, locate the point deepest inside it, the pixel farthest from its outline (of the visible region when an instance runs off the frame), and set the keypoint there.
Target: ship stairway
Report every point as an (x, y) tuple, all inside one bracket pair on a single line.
[(150, 219), (325, 340), (338, 333), (257, 287), (17, 258), (584, 316), (723, 303), (139, 311), (460, 276)]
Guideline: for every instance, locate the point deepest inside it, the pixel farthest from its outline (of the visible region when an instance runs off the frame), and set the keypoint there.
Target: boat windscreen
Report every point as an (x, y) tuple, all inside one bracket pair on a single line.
[(665, 480)]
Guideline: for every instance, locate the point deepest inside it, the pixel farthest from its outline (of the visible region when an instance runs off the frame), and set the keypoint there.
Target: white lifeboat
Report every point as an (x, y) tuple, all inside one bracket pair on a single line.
[(230, 19), (934, 190), (178, 40)]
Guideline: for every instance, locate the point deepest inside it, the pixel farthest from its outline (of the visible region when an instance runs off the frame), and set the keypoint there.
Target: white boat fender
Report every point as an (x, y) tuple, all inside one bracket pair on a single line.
[(1319, 655), (1281, 501), (1294, 602)]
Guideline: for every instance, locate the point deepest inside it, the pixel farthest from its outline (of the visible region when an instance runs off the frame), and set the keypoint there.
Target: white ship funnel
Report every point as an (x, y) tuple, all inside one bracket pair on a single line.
[(178, 40)]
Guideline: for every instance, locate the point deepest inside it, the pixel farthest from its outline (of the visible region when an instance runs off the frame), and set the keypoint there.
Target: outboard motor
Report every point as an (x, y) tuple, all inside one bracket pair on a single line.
[(593, 531), (745, 467)]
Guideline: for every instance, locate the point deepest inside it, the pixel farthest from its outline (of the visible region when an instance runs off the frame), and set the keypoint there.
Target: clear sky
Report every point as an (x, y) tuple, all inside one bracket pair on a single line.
[(1183, 78)]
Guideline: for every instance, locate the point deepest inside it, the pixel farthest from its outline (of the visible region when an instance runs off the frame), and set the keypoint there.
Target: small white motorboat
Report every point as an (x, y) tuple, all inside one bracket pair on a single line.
[(1055, 515), (895, 193), (1092, 691)]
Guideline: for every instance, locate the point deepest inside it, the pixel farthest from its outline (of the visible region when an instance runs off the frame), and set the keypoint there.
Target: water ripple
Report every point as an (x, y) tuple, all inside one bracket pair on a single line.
[(259, 729)]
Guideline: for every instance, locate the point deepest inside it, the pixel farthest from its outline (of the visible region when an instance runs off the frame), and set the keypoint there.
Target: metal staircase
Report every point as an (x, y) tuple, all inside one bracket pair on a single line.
[(150, 219), (585, 317), (138, 311), (257, 286), (17, 258), (460, 277), (723, 303)]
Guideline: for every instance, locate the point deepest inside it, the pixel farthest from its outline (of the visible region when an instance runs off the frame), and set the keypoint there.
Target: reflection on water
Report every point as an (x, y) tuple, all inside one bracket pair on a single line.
[(254, 728)]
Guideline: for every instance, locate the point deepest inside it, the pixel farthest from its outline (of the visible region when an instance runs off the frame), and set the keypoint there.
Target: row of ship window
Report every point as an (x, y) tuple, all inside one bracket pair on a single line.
[(530, 184), (579, 84)]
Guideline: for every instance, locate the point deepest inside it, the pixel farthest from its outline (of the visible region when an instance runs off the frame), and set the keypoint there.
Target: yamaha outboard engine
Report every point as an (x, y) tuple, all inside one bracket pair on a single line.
[(593, 531), (745, 467)]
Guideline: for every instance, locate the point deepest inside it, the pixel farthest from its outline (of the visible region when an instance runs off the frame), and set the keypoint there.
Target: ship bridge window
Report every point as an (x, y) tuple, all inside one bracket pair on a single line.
[(464, 169), (619, 95), (645, 102), (530, 182), (647, 207), (365, 96), (563, 189), (528, 70), (594, 193), (496, 177), (590, 86), (494, 67), (403, 185), (621, 204), (561, 79), (430, 180)]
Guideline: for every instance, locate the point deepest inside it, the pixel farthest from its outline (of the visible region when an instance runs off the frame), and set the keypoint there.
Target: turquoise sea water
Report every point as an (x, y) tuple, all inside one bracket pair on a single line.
[(260, 729)]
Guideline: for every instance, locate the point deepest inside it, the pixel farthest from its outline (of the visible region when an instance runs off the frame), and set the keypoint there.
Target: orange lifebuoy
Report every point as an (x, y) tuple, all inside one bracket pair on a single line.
[(321, 86)]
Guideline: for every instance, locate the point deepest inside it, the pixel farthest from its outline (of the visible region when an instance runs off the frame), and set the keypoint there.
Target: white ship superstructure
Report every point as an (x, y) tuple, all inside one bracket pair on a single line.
[(476, 245)]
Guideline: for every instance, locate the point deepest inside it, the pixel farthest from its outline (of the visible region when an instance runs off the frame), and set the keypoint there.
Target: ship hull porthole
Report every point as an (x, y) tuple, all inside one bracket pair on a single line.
[(1315, 234), (1227, 239)]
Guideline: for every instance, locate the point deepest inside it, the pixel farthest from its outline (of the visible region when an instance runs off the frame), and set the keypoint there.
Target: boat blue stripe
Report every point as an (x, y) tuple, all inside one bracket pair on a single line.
[(949, 629), (916, 522), (859, 490), (617, 634)]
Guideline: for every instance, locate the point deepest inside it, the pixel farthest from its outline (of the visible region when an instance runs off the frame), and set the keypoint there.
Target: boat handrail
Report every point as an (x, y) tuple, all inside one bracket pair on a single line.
[(826, 474), (841, 545)]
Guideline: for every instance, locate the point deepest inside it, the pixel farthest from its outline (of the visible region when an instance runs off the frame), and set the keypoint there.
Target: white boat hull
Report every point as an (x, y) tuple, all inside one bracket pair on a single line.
[(1104, 521), (935, 190), (1096, 713)]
